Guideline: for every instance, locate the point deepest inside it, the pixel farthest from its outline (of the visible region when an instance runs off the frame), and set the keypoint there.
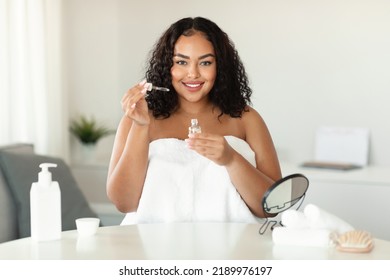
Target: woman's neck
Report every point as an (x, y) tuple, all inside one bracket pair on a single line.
[(195, 109)]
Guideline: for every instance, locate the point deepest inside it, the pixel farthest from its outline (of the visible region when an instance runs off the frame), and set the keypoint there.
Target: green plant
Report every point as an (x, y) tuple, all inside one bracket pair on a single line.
[(87, 130)]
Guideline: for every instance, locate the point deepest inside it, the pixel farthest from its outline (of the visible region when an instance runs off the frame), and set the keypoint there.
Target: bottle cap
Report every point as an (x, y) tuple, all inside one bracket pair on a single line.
[(194, 122), (44, 177)]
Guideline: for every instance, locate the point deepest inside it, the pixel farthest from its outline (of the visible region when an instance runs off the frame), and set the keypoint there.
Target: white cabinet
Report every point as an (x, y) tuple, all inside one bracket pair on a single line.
[(92, 182), (361, 197)]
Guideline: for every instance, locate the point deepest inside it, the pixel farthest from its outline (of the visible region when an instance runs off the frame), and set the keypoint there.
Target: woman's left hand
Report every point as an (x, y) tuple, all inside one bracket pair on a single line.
[(211, 146)]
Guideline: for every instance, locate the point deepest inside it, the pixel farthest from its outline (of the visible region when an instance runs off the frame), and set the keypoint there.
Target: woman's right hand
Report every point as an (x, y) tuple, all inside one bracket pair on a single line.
[(134, 104)]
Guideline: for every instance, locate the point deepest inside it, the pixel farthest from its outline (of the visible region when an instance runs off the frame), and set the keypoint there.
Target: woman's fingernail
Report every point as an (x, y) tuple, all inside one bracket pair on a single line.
[(133, 106), (142, 82), (148, 86)]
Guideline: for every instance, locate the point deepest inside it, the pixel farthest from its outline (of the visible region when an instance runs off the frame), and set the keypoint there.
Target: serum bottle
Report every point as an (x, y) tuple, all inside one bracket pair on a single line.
[(194, 128)]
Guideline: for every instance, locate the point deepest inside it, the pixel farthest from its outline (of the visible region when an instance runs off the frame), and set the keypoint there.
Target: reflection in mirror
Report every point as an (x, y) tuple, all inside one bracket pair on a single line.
[(285, 193), (282, 195)]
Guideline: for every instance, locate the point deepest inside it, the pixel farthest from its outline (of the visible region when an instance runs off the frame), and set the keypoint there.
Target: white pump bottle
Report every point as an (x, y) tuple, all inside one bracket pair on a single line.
[(45, 206)]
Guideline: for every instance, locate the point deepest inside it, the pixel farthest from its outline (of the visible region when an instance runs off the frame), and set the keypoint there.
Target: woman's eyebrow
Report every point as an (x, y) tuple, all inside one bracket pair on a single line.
[(182, 56), (200, 57), (206, 55)]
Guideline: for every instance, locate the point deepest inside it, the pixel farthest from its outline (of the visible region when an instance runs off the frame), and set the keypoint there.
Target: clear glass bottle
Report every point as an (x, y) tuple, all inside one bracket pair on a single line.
[(194, 128)]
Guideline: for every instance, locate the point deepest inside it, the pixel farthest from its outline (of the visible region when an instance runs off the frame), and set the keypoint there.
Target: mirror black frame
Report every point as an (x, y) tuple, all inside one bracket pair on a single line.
[(275, 185), (292, 202)]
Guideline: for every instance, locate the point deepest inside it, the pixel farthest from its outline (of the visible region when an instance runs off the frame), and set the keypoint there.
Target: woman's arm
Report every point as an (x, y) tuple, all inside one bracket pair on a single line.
[(252, 182), (129, 158), (128, 165)]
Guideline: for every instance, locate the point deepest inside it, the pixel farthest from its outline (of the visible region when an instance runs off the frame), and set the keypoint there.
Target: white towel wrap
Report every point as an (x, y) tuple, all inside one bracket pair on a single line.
[(312, 227), (320, 219), (294, 219), (183, 186)]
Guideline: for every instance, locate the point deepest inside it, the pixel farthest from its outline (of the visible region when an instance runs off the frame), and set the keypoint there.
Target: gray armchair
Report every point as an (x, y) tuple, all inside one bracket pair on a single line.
[(19, 167)]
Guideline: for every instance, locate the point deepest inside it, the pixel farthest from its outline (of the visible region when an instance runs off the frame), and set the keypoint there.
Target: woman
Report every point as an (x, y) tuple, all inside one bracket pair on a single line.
[(165, 174)]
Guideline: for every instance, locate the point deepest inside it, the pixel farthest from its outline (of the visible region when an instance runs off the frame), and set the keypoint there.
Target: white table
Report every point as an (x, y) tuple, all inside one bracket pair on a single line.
[(187, 241)]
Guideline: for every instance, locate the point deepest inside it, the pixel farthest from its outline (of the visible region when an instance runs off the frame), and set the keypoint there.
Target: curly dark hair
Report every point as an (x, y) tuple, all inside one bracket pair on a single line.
[(230, 93)]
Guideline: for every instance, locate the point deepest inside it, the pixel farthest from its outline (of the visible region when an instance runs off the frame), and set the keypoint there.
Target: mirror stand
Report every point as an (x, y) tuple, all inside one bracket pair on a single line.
[(281, 196)]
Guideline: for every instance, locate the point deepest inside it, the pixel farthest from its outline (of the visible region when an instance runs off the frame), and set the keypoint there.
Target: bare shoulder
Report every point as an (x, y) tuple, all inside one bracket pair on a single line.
[(259, 139), (253, 121), (256, 132)]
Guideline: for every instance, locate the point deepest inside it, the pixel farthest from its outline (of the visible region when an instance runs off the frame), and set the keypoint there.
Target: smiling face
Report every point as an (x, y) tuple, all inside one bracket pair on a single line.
[(194, 67)]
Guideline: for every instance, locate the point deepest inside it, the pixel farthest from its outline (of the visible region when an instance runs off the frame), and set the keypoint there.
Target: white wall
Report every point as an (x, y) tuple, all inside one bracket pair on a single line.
[(310, 63)]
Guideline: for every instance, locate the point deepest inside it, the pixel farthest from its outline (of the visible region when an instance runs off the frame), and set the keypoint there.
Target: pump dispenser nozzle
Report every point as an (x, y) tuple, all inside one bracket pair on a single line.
[(44, 177)]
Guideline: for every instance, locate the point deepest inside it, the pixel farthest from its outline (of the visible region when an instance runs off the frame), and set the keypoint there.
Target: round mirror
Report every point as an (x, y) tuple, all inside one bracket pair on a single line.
[(284, 194)]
